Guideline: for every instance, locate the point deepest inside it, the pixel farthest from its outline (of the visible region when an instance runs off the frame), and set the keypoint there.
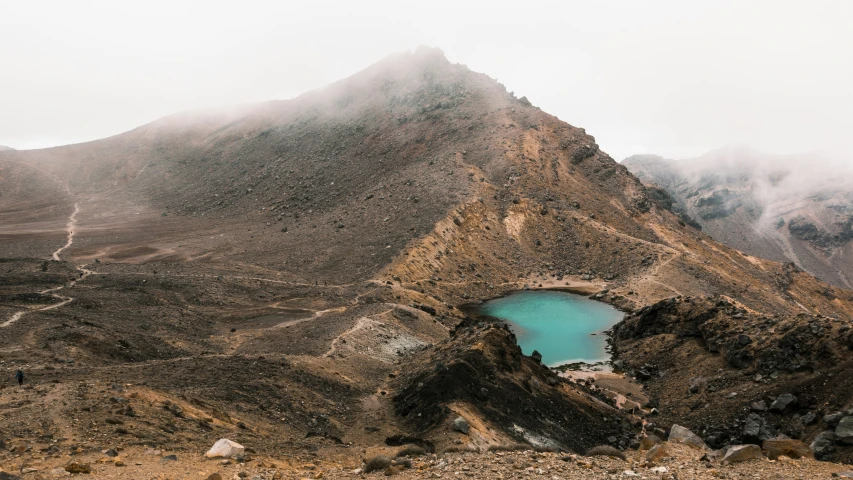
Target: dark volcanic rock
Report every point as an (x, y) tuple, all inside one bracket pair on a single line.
[(752, 427), (782, 402), (809, 232), (574, 421), (791, 353), (832, 419), (536, 356), (461, 425), (823, 444), (844, 431)]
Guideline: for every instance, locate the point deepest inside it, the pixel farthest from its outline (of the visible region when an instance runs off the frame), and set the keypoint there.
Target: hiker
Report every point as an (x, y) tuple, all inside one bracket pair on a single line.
[(19, 376)]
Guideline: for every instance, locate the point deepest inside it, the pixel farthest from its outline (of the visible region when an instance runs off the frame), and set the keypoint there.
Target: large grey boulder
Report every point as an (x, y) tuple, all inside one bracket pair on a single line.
[(823, 444), (679, 434), (742, 453), (844, 431)]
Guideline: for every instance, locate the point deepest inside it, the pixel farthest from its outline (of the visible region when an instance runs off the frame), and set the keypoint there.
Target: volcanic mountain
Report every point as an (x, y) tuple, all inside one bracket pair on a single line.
[(796, 208), (288, 274)]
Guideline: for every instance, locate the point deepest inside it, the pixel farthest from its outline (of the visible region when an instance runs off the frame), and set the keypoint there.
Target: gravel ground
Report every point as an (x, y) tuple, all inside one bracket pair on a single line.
[(685, 463)]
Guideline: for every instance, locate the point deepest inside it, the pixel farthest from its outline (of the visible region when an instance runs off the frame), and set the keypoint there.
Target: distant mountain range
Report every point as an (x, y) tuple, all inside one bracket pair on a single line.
[(4, 148), (795, 208)]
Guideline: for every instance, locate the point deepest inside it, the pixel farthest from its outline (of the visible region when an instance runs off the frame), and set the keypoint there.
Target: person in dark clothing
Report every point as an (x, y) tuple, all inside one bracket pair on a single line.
[(19, 376)]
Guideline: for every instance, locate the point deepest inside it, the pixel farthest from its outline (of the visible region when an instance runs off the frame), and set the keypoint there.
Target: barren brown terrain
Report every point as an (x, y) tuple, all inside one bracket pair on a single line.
[(289, 275)]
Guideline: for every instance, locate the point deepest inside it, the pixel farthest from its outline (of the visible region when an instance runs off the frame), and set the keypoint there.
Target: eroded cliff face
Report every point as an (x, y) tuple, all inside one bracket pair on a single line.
[(718, 366), (480, 373)]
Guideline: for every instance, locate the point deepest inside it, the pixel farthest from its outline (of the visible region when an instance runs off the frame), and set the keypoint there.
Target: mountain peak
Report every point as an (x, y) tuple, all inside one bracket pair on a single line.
[(643, 159), (734, 152)]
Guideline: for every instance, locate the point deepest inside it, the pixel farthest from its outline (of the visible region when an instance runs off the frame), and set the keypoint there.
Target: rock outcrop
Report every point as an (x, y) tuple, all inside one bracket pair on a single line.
[(482, 368)]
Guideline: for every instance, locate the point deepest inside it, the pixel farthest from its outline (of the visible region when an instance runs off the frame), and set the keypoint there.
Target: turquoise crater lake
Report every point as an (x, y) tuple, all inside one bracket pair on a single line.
[(559, 325)]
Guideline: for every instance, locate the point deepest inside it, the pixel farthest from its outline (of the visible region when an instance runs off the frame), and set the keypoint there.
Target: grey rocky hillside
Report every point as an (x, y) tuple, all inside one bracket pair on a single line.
[(787, 208)]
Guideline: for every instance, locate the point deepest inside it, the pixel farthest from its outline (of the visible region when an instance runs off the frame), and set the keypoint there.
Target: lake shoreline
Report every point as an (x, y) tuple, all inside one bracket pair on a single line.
[(600, 374), (582, 311)]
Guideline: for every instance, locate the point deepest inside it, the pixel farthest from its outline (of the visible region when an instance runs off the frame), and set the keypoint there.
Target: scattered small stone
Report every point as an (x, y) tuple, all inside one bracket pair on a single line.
[(75, 467), (649, 441), (782, 402), (461, 425), (379, 462), (657, 453)]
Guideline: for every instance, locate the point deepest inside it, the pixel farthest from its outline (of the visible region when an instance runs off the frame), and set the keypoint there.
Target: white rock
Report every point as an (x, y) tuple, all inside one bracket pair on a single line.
[(225, 448), (659, 470)]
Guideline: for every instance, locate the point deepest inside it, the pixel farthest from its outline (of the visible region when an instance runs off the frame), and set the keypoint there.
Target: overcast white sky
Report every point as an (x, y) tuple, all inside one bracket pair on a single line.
[(670, 77)]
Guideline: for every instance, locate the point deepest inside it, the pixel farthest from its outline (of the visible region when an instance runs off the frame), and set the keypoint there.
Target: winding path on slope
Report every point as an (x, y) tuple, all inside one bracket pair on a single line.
[(63, 300), (69, 227), (647, 277)]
